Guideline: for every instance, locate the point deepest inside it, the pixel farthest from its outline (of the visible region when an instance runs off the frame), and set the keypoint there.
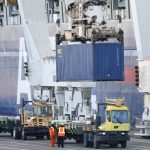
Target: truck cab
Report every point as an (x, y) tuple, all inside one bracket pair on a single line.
[(117, 118), (114, 130), (35, 125)]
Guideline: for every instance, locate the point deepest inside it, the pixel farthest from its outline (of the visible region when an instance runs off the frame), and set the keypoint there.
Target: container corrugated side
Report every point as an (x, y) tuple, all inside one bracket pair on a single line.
[(108, 61), (95, 62)]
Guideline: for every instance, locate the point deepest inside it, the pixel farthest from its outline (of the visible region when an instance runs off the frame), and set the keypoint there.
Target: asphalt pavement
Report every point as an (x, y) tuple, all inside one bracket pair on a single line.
[(8, 143)]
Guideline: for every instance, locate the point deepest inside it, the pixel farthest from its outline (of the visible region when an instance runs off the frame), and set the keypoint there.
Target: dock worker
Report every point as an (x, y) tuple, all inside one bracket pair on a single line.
[(53, 134), (61, 135)]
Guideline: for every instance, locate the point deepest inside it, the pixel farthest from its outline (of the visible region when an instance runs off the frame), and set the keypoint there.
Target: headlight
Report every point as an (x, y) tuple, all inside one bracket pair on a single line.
[(103, 133), (123, 133)]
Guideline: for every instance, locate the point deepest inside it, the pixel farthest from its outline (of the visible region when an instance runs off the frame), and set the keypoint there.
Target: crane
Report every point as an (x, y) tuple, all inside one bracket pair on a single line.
[(41, 56), (73, 99), (87, 28)]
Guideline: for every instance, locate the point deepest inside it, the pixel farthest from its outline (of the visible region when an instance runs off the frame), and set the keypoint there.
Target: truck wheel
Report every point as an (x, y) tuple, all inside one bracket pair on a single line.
[(11, 132), (37, 137), (113, 145), (123, 144), (77, 140), (47, 137), (95, 142), (85, 141), (15, 133), (40, 137), (81, 139), (24, 136)]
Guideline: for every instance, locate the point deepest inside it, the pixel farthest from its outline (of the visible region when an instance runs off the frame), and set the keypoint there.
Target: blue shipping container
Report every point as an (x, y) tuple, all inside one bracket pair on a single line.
[(94, 62)]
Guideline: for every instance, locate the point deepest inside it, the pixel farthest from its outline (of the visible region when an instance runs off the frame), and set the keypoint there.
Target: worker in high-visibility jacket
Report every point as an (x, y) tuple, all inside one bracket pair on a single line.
[(53, 134), (61, 135)]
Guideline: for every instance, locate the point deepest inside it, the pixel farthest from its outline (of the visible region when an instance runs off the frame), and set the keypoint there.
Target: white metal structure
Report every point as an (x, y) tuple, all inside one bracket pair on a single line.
[(141, 20), (23, 85), (72, 98), (143, 124)]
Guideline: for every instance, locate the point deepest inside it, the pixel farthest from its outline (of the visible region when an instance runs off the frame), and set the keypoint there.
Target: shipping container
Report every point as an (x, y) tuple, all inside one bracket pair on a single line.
[(94, 62)]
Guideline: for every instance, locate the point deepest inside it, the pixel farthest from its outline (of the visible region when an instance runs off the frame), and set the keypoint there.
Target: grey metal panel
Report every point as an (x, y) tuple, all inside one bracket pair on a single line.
[(7, 46), (52, 28), (8, 85), (34, 10), (35, 28), (40, 36), (11, 33), (9, 38), (131, 61), (130, 52), (9, 52), (141, 19), (129, 37)]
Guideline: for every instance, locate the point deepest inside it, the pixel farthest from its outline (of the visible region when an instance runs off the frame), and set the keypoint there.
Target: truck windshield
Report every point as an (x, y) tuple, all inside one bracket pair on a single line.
[(43, 111), (120, 116)]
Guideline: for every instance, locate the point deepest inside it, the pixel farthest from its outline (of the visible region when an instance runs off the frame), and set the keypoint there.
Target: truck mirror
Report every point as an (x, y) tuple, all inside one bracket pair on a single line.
[(108, 118), (92, 123)]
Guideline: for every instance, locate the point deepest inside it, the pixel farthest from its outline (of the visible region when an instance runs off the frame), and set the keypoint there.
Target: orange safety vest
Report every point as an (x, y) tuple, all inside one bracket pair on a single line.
[(61, 131)]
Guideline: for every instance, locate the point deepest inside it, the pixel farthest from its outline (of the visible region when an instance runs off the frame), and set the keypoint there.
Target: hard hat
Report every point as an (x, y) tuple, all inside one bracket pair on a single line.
[(52, 123), (62, 124)]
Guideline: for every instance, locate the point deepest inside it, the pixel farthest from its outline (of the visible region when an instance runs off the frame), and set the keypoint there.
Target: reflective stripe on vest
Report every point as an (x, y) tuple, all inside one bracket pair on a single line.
[(61, 131)]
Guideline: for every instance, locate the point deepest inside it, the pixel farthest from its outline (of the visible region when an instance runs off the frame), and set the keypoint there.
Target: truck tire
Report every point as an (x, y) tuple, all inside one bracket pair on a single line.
[(24, 135), (113, 145), (47, 137), (123, 144), (95, 142), (16, 133), (77, 141), (40, 137), (11, 132), (85, 141)]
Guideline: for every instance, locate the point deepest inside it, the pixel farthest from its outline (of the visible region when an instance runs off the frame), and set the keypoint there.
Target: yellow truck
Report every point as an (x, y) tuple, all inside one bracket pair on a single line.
[(35, 125), (114, 130)]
